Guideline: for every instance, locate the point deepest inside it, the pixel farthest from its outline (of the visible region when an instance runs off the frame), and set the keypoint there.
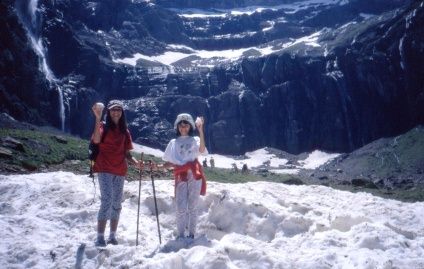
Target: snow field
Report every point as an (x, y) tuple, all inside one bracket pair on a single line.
[(45, 217)]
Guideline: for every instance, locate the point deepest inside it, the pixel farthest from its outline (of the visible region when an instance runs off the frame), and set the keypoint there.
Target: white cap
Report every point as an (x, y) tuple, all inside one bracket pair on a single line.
[(115, 103), (184, 117)]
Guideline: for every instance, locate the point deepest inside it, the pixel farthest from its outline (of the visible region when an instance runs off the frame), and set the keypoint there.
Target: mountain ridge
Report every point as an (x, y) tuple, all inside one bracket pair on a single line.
[(334, 88)]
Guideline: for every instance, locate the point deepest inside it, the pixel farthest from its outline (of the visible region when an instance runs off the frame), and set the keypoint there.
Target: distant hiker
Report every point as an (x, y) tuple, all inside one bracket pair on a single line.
[(235, 168), (212, 162), (244, 169), (205, 163), (190, 181), (115, 143)]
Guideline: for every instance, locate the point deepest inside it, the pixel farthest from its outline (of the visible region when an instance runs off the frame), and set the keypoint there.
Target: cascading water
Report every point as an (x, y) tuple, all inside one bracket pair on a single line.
[(62, 108), (338, 78), (29, 15)]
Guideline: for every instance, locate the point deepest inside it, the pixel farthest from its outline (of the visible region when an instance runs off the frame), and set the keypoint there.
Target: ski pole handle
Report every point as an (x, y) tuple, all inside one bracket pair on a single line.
[(141, 163)]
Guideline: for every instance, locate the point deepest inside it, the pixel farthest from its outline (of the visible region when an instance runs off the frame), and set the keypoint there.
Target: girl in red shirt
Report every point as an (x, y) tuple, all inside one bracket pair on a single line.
[(115, 143)]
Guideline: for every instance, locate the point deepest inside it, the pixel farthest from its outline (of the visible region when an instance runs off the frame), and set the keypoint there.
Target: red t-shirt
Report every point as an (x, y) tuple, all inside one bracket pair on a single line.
[(111, 158)]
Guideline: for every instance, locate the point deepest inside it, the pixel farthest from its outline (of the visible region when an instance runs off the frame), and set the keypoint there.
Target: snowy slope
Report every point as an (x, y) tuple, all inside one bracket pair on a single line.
[(256, 159), (45, 218)]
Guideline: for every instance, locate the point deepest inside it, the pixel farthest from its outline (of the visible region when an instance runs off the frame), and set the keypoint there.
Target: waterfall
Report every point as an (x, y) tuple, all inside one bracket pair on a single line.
[(38, 47), (32, 8), (29, 16), (338, 78), (62, 108), (208, 76)]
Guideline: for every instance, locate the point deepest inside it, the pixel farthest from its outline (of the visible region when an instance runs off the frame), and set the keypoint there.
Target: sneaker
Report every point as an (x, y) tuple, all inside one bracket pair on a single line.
[(112, 241), (100, 242)]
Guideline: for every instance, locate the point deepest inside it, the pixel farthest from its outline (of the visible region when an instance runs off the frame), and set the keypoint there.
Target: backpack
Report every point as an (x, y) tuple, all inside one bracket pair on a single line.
[(93, 151)]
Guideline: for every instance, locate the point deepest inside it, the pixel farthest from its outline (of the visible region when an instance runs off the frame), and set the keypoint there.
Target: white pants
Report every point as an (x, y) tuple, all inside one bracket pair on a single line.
[(187, 197)]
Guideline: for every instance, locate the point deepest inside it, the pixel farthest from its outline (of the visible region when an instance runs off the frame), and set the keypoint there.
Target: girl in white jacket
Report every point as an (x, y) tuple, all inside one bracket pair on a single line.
[(190, 182)]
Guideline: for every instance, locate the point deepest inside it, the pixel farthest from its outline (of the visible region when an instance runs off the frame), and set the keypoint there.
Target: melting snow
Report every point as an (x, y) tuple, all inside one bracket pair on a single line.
[(316, 159), (256, 159), (170, 57), (190, 13), (45, 218)]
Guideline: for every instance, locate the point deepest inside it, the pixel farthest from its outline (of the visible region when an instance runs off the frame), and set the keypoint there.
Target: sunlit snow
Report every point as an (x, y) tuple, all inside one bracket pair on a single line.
[(249, 10), (316, 159), (170, 57), (211, 58), (46, 217), (256, 159)]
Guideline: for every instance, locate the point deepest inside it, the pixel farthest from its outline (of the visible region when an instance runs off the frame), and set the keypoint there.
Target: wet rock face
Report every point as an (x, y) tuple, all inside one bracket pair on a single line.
[(364, 81), (24, 91)]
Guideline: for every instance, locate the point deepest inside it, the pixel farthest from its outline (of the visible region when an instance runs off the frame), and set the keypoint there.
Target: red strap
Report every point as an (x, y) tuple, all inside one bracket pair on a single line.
[(181, 171)]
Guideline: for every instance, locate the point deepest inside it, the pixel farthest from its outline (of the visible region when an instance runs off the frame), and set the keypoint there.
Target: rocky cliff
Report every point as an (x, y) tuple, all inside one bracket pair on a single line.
[(330, 75), (24, 90)]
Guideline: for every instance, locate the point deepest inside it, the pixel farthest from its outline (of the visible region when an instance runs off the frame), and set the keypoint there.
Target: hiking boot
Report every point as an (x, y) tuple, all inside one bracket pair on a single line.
[(179, 237), (100, 242), (112, 241)]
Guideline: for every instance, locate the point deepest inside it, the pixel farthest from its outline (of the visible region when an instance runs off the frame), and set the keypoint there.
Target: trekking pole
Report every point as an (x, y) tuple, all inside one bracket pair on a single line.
[(139, 192), (156, 205), (91, 175)]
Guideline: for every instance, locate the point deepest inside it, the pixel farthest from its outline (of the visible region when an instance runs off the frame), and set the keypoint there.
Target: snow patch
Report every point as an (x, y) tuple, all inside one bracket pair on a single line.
[(408, 19), (215, 56), (47, 216), (257, 158), (166, 58), (317, 158), (270, 27), (366, 15), (147, 150)]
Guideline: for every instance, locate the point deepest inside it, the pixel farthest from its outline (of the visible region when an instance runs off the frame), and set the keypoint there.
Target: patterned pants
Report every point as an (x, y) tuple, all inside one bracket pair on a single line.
[(187, 198), (111, 191)]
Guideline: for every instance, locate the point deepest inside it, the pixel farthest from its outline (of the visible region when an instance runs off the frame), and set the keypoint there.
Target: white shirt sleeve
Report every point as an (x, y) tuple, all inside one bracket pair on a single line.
[(167, 156), (204, 153)]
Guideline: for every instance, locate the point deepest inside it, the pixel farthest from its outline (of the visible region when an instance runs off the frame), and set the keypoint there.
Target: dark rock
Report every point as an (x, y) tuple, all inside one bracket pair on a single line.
[(13, 143), (5, 153), (13, 169), (8, 122), (23, 99), (361, 84), (30, 166), (359, 182), (60, 139), (293, 181)]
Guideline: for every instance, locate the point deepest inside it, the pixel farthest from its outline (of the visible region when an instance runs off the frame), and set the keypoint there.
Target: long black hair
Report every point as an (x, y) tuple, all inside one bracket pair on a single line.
[(122, 124)]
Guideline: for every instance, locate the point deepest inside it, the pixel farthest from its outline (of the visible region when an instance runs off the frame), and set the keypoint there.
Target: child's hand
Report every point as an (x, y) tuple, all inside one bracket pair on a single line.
[(140, 165), (199, 123)]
